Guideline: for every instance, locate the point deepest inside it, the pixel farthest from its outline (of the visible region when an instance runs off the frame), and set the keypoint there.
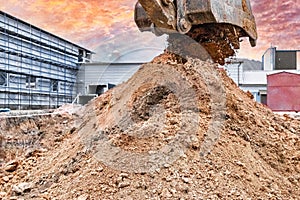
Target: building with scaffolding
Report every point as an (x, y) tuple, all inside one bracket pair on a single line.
[(37, 69)]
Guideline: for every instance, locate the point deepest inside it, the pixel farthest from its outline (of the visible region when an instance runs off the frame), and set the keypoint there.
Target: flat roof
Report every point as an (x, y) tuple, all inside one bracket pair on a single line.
[(26, 23), (296, 50), (281, 50)]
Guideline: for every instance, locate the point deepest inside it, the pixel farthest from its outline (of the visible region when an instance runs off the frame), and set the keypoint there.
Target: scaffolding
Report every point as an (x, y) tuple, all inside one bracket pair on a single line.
[(38, 70)]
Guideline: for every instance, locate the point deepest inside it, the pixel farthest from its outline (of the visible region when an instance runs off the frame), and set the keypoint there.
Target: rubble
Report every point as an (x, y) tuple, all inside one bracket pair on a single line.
[(22, 188), (83, 197), (171, 107), (11, 166)]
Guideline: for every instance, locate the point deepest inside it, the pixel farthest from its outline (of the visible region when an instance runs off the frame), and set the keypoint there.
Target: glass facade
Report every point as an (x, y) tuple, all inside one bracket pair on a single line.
[(37, 69)]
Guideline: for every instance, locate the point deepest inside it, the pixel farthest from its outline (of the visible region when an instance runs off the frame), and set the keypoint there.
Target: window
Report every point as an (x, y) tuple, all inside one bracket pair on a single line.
[(55, 85), (80, 55), (263, 96), (285, 60), (263, 99), (30, 82)]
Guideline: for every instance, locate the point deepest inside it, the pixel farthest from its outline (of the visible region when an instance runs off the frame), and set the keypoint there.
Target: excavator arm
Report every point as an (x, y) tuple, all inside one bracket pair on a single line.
[(217, 25)]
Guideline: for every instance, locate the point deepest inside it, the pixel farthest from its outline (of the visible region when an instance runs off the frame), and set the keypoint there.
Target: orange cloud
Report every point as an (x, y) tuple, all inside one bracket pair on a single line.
[(74, 20)]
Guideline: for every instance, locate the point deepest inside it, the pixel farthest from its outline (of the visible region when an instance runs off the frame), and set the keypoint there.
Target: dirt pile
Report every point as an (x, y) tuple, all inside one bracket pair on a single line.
[(21, 133), (176, 130)]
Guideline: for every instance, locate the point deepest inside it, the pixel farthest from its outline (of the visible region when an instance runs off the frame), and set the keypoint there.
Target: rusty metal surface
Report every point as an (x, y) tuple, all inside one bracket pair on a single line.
[(163, 16), (235, 12), (141, 18), (283, 92)]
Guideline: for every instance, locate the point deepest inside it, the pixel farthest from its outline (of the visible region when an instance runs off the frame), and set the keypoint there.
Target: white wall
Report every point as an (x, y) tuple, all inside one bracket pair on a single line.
[(269, 59), (260, 77), (235, 72), (254, 77), (104, 73), (119, 70)]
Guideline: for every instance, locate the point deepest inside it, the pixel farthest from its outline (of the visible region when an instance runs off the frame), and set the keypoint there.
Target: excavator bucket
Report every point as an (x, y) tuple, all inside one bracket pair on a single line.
[(217, 25)]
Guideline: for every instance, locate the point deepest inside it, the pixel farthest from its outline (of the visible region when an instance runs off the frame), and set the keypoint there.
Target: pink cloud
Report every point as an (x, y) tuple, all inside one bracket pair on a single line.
[(278, 24)]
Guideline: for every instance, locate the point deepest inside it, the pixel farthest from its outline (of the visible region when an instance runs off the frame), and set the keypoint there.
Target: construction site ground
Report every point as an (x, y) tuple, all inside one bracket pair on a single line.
[(219, 143)]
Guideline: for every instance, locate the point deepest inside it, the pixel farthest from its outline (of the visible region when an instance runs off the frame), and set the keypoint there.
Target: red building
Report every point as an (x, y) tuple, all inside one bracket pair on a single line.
[(283, 91)]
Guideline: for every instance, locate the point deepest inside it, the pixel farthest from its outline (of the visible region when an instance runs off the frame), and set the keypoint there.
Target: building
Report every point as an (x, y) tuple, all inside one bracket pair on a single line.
[(37, 68), (255, 79), (274, 59), (97, 77)]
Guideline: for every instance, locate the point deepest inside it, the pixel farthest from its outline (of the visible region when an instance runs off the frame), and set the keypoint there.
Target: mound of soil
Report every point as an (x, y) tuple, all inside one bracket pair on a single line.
[(178, 129)]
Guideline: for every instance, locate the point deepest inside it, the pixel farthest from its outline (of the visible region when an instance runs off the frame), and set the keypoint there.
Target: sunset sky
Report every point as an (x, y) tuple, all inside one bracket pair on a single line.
[(90, 22)]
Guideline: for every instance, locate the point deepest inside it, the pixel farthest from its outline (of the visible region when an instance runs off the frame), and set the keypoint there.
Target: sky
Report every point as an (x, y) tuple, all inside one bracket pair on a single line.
[(90, 23)]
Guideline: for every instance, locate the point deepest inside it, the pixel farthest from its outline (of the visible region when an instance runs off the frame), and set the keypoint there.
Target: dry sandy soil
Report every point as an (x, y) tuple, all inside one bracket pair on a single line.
[(178, 129)]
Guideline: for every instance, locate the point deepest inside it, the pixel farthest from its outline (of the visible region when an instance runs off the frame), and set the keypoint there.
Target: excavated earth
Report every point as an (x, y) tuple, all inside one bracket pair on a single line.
[(178, 129)]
